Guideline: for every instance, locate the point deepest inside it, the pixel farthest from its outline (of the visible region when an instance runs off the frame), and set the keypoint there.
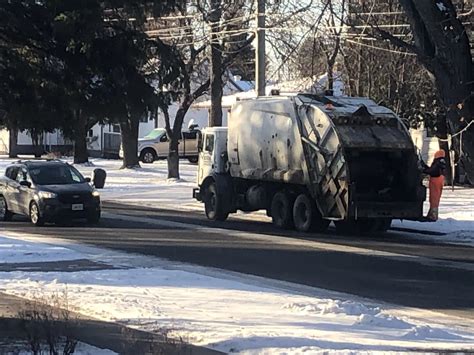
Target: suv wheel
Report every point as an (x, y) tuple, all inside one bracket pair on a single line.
[(35, 216), (5, 214), (93, 217), (148, 156)]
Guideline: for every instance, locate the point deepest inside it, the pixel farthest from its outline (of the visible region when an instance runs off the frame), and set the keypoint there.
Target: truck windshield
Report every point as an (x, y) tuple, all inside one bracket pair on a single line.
[(55, 175), (156, 133)]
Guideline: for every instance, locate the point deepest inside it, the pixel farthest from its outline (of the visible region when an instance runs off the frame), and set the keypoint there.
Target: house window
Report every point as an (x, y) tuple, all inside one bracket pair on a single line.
[(90, 133), (116, 128)]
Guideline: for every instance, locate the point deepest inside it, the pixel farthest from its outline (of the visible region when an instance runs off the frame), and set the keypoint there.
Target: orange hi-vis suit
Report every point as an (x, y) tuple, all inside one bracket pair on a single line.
[(436, 172)]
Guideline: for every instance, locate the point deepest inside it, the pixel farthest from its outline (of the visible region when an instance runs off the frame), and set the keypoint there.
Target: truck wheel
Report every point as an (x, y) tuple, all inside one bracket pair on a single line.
[(35, 215), (282, 210), (5, 214), (213, 204), (148, 156), (306, 215)]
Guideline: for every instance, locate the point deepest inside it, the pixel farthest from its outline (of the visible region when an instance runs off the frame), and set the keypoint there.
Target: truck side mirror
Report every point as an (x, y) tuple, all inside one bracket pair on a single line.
[(200, 140)]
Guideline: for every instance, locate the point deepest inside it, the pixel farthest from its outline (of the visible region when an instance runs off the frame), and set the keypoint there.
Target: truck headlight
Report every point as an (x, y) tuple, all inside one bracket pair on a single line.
[(47, 194), (95, 193)]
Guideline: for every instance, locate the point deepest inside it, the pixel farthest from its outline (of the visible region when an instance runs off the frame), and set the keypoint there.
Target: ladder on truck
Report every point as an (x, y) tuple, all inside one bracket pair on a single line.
[(326, 168)]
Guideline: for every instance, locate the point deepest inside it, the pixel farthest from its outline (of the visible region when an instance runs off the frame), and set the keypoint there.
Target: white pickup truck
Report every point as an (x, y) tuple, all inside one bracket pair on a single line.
[(155, 145)]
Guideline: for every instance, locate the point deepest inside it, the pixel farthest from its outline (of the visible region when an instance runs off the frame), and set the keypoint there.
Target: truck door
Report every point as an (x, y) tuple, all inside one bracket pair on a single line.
[(206, 157)]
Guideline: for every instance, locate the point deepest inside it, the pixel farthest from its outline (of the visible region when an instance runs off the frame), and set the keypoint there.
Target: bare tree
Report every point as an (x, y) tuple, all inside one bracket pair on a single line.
[(194, 45), (440, 40)]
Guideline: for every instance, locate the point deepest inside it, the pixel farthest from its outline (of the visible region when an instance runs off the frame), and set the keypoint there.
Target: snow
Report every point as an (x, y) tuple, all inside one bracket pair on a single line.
[(19, 348), (18, 251), (231, 312)]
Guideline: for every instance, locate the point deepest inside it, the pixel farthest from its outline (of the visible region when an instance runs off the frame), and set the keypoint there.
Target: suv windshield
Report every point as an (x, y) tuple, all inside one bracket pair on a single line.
[(55, 175), (155, 133)]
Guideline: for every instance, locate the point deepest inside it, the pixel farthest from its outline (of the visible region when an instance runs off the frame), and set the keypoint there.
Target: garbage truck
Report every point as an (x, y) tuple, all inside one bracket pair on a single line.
[(311, 159)]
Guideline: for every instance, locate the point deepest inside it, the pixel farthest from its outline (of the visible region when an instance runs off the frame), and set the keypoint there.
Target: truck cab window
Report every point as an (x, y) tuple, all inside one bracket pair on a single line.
[(209, 144)]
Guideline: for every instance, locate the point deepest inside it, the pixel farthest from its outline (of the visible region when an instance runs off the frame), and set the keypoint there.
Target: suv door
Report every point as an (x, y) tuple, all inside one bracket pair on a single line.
[(11, 190), (24, 192)]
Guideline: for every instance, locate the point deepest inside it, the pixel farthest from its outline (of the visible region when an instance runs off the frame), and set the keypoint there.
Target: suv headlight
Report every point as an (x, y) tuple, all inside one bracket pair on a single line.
[(47, 194), (95, 193)]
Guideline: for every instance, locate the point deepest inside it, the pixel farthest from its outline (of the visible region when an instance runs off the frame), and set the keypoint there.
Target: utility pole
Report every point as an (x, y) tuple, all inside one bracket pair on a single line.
[(260, 64), (216, 84)]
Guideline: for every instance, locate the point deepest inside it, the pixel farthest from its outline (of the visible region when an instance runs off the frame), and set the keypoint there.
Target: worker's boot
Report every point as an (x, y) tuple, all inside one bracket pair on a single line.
[(432, 215)]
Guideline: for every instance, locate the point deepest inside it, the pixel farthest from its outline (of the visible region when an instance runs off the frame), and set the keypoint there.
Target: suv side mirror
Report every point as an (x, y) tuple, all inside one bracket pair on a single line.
[(87, 179), (25, 183)]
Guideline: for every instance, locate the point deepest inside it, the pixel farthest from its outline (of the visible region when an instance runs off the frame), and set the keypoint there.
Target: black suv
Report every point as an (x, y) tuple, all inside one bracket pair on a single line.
[(47, 191)]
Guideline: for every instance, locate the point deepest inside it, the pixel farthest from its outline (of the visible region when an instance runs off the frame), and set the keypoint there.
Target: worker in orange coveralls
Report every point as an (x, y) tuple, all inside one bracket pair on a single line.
[(436, 172)]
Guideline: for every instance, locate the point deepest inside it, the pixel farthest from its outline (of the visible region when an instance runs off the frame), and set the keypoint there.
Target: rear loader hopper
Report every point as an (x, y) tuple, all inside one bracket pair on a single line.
[(309, 160)]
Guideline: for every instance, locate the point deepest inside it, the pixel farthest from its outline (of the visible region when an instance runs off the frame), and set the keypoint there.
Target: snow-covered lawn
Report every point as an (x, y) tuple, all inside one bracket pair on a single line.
[(229, 311)]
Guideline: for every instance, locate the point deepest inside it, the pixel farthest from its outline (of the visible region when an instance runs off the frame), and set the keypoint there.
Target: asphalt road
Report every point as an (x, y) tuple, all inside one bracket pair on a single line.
[(400, 268)]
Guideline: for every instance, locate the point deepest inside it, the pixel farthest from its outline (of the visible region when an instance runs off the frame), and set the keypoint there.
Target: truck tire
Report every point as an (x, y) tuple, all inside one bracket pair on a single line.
[(148, 156), (5, 214), (306, 215), (282, 210), (214, 205)]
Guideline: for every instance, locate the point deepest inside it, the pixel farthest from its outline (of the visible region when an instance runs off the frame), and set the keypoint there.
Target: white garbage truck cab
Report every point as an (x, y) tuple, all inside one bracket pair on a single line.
[(309, 160)]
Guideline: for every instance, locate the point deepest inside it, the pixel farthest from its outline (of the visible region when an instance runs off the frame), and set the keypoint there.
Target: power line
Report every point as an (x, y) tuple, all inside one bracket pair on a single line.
[(380, 48)]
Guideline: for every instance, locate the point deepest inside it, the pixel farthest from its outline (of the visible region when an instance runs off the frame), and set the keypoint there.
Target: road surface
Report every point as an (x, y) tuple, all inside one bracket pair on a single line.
[(400, 268)]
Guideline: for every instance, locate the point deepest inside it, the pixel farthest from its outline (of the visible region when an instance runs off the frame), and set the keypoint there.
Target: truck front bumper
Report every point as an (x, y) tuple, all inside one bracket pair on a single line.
[(197, 194)]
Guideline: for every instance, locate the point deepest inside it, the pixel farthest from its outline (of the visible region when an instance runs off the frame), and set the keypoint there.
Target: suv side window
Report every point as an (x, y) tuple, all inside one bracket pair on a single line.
[(21, 175), (12, 172)]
